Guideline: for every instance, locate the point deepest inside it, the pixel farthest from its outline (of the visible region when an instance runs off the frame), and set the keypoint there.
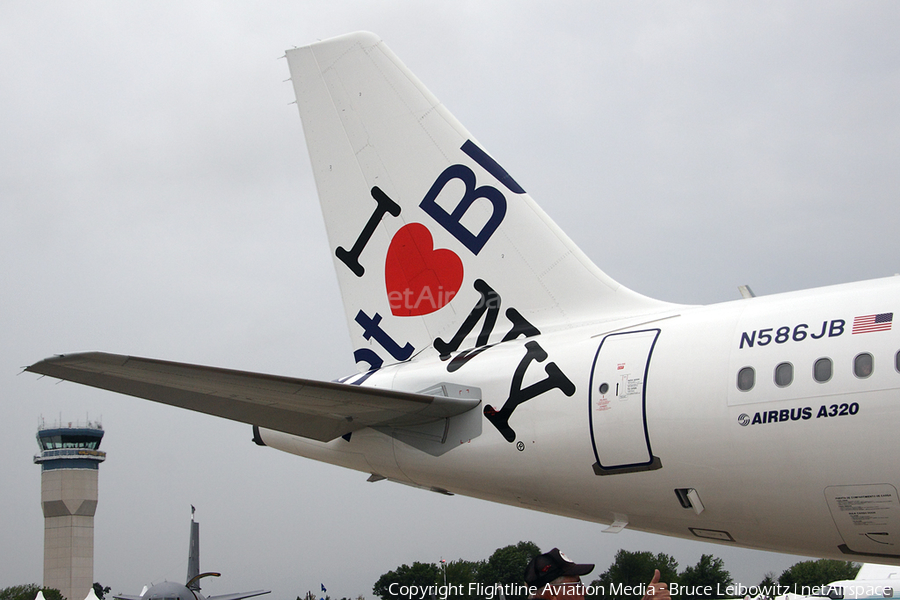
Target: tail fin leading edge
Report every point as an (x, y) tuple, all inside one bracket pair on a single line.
[(431, 238)]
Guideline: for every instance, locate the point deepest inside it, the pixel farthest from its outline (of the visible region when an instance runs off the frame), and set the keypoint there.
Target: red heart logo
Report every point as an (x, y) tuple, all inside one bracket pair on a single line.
[(418, 278)]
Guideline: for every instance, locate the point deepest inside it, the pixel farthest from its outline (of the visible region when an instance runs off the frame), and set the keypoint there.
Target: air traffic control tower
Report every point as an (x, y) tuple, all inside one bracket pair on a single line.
[(70, 462)]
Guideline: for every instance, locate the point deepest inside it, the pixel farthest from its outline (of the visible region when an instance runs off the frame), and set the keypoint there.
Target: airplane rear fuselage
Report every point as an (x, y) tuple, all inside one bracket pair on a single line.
[(657, 411)]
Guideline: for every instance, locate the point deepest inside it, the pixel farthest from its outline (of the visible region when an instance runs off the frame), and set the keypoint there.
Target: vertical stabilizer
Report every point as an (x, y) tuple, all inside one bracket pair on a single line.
[(193, 582), (426, 228)]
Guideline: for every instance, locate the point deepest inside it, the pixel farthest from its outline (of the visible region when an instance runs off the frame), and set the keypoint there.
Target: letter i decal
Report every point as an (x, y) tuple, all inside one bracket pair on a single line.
[(351, 257)]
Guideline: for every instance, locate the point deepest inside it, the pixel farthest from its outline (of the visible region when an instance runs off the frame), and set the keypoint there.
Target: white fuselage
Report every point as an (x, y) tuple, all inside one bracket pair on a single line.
[(805, 467)]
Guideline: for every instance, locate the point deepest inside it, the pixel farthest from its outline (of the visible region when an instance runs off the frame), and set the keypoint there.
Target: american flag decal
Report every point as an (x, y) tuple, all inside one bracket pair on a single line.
[(870, 323)]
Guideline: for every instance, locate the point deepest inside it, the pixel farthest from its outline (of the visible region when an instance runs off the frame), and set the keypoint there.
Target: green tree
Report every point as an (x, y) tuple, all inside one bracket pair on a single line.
[(634, 570), (804, 576), (460, 573), (28, 592), (707, 579), (507, 566), (768, 585), (419, 574)]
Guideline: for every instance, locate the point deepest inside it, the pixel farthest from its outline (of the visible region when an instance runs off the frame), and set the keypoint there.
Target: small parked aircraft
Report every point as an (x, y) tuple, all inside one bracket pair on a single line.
[(169, 590)]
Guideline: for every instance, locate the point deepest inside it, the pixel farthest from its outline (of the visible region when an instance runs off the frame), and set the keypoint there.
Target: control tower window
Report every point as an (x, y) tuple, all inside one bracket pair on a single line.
[(64, 439)]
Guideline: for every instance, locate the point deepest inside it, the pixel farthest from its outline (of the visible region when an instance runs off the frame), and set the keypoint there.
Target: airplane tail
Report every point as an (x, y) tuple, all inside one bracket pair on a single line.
[(434, 243), (193, 570)]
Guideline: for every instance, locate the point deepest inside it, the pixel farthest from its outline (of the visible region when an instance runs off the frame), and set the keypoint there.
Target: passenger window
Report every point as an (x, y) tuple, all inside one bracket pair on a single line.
[(897, 361), (784, 374), (822, 370), (863, 365), (746, 378)]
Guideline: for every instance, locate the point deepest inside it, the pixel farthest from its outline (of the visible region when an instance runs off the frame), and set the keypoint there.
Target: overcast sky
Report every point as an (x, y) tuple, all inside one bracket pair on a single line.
[(156, 199)]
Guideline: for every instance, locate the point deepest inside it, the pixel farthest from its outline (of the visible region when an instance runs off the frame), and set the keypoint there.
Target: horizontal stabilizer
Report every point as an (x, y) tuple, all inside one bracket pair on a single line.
[(238, 596), (313, 409)]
